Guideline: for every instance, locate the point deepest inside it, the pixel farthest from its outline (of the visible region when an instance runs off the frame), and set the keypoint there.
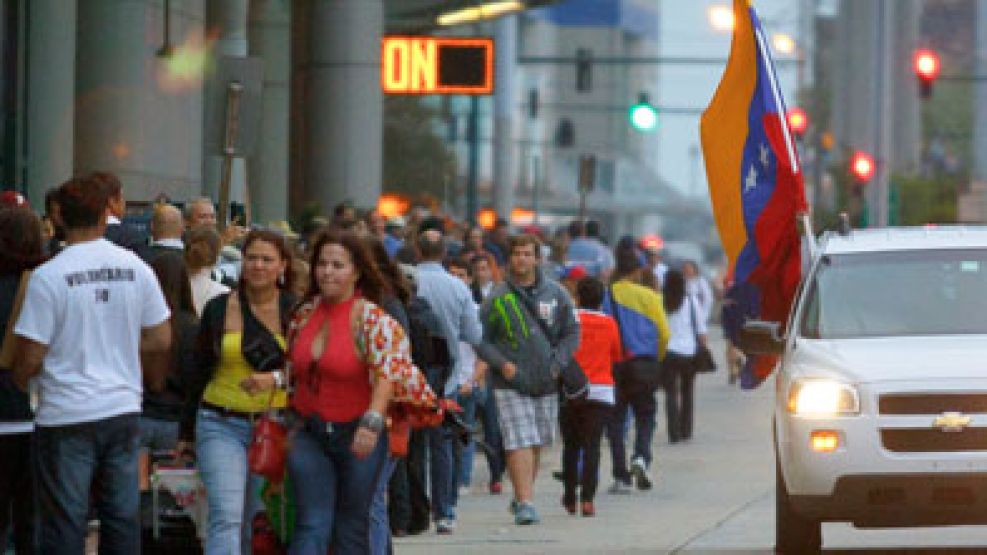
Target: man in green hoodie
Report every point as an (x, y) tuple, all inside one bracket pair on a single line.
[(530, 333)]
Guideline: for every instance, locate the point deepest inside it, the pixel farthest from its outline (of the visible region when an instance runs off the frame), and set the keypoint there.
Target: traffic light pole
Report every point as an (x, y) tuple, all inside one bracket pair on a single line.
[(473, 142)]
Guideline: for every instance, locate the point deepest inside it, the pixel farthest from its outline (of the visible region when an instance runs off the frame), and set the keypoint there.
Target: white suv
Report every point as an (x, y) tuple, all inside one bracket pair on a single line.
[(881, 410)]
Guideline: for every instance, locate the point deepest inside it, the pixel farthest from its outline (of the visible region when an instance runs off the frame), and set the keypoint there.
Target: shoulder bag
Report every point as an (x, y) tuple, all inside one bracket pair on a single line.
[(702, 361), (572, 380), (268, 451), (639, 374)]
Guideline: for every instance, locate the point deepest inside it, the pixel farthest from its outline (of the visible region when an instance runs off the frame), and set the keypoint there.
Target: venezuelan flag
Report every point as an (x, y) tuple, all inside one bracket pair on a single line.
[(755, 180)]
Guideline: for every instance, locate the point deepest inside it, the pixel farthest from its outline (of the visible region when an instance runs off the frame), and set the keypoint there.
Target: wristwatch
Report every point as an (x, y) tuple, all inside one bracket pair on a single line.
[(373, 421), (278, 376)]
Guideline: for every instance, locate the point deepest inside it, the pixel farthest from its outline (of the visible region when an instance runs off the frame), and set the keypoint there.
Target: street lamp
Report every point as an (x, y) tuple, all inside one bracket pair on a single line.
[(721, 18), (783, 43)]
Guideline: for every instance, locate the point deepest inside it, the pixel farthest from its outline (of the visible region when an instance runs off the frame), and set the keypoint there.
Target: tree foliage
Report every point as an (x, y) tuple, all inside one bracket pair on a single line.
[(416, 161)]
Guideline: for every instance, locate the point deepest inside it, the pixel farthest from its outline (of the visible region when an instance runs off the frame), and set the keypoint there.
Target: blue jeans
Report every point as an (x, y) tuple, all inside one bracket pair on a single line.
[(486, 411), (334, 490), (158, 435), (464, 460), (232, 491), (380, 525), (74, 458), (643, 405)]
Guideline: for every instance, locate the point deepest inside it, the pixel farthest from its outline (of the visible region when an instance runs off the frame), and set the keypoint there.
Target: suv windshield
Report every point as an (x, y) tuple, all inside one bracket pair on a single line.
[(922, 292)]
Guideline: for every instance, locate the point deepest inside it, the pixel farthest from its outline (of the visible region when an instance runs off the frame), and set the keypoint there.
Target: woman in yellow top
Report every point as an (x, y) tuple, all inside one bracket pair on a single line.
[(238, 373)]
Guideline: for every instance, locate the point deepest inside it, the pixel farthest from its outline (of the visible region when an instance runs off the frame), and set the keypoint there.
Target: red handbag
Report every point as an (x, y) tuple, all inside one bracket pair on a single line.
[(268, 452)]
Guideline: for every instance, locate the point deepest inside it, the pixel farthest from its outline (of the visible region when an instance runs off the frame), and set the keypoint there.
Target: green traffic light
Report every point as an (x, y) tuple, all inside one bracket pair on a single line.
[(643, 117)]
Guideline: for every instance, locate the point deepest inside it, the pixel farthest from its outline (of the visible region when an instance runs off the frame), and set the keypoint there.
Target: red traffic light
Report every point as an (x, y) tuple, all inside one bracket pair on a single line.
[(798, 121), (927, 64), (862, 166)]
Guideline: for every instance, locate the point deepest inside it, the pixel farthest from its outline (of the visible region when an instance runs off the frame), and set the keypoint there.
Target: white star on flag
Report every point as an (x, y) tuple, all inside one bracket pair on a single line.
[(751, 181), (764, 155)]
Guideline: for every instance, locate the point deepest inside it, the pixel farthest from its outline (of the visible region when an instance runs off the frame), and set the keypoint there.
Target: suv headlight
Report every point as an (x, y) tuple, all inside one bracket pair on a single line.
[(823, 397)]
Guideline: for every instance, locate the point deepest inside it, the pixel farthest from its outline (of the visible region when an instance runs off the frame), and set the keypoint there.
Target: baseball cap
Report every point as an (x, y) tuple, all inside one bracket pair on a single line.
[(12, 199)]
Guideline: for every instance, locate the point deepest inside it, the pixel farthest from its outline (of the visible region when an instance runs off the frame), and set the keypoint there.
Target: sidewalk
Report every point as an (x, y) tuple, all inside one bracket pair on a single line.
[(699, 484)]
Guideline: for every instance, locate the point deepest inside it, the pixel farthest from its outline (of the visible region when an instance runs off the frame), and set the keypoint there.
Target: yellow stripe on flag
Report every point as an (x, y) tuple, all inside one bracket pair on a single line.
[(723, 130)]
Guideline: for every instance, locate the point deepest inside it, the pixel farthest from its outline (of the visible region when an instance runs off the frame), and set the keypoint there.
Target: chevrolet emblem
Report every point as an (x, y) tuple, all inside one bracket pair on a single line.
[(951, 421)]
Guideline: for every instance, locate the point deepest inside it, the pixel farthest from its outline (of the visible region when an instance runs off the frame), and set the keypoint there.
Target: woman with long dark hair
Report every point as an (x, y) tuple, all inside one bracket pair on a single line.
[(162, 409), (21, 245), (688, 329), (349, 361), (239, 360)]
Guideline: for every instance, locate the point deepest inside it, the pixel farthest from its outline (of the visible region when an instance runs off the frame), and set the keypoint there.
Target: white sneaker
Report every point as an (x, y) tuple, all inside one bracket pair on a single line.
[(640, 472), (620, 487), (464, 491), (445, 526)]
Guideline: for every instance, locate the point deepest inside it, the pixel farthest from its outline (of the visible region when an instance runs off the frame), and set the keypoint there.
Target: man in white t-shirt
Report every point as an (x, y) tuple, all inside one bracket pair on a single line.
[(88, 316)]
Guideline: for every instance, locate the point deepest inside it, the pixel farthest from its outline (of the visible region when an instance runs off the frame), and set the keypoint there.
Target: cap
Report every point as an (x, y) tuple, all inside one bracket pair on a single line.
[(576, 272), (284, 228), (396, 221), (12, 199)]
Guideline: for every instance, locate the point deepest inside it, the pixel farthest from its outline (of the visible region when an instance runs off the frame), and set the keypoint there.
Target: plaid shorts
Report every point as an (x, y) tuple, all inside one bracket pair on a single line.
[(526, 421)]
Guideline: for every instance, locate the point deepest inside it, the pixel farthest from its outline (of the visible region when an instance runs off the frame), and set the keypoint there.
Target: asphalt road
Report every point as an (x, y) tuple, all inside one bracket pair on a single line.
[(714, 494)]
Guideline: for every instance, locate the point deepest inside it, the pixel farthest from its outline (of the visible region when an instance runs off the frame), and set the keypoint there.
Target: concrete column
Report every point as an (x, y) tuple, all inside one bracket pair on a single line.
[(343, 104), (229, 19), (980, 98), (505, 112), (129, 118), (268, 169), (50, 95)]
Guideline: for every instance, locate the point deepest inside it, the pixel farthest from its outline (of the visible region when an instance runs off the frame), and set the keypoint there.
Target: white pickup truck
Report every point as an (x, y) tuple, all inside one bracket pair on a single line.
[(881, 410)]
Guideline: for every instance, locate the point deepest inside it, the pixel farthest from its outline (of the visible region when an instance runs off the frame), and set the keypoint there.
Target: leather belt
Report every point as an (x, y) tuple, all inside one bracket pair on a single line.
[(228, 412)]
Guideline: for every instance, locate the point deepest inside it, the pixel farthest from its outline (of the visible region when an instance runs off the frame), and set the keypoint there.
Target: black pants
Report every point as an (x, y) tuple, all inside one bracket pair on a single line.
[(642, 403), (399, 498), (679, 380), (582, 429), (18, 495), (416, 465)]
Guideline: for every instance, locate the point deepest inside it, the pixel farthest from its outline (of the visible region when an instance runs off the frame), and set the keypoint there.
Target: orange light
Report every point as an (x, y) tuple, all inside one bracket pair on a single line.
[(486, 218), (862, 166), (824, 441), (414, 65), (390, 205), (798, 121), (522, 216), (927, 64)]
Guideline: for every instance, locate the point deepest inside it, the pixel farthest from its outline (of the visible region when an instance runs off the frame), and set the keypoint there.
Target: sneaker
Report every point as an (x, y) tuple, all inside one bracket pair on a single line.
[(587, 508), (640, 473), (620, 487), (496, 488), (513, 507), (445, 526), (464, 491), (526, 514)]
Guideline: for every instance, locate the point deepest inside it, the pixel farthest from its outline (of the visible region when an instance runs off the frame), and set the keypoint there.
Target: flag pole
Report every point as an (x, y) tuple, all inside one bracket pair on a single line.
[(807, 229)]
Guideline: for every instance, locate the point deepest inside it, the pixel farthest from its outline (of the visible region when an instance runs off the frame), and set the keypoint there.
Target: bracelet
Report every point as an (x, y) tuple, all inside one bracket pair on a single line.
[(372, 420)]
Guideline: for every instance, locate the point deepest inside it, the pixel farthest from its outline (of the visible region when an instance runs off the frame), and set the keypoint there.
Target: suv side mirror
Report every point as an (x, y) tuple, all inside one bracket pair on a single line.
[(758, 337)]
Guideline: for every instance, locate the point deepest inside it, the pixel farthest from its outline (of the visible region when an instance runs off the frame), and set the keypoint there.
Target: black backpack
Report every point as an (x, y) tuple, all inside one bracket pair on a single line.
[(429, 345)]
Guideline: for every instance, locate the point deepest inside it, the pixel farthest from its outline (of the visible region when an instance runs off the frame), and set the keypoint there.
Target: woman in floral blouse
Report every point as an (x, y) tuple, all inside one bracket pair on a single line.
[(350, 361)]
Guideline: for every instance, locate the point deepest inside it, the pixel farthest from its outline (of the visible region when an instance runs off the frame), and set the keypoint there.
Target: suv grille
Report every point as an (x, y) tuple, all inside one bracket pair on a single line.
[(926, 441), (967, 403)]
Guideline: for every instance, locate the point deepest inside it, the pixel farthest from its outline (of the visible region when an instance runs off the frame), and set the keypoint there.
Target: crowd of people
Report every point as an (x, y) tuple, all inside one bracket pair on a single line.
[(392, 351)]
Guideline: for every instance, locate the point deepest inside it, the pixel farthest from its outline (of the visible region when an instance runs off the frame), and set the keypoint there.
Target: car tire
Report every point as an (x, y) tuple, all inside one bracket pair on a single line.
[(794, 533)]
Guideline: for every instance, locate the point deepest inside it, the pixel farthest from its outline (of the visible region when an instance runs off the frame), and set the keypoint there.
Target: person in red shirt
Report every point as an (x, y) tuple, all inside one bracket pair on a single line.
[(349, 361), (582, 422)]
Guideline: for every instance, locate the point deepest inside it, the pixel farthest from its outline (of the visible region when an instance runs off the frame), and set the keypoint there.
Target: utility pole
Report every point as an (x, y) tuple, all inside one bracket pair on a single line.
[(472, 140), (879, 209)]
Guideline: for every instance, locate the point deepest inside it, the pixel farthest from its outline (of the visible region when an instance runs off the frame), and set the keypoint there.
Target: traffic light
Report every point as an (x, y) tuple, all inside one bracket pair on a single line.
[(584, 70), (862, 166), (642, 115), (798, 122), (926, 64)]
